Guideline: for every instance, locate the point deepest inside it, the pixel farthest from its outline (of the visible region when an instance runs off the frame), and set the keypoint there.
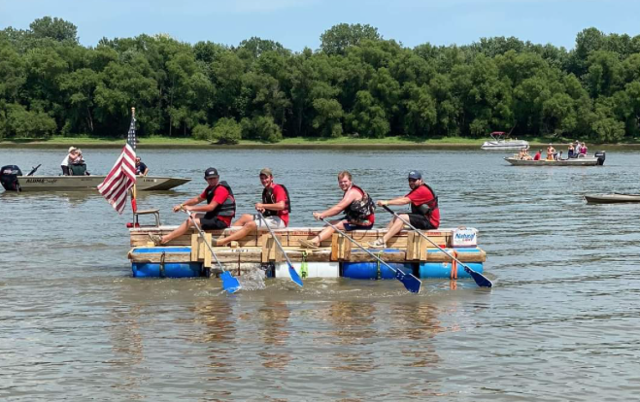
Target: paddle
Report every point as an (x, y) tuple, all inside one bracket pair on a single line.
[(408, 280), (292, 272), (480, 279), (229, 283)]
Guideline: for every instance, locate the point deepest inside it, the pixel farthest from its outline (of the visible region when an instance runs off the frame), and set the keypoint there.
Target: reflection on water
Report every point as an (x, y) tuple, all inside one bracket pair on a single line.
[(74, 324)]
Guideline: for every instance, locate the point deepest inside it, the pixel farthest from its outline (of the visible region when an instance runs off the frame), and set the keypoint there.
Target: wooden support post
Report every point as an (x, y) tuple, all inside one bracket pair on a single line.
[(340, 248), (268, 248), (195, 241), (207, 251)]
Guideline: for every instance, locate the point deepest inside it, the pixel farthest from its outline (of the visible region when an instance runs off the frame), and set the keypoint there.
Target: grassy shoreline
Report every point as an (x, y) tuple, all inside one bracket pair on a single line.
[(343, 142)]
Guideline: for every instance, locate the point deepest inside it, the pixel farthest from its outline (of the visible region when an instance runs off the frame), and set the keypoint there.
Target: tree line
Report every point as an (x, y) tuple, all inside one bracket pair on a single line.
[(356, 84)]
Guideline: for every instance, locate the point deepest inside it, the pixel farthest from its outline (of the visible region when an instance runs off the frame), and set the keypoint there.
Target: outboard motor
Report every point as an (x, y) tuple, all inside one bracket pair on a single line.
[(9, 177), (601, 157)]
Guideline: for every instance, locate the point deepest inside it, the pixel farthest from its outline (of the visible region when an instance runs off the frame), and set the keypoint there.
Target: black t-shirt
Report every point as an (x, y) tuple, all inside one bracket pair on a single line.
[(141, 168)]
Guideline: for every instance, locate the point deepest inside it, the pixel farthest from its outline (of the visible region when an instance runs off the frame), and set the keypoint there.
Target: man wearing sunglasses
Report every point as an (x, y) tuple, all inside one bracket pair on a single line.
[(424, 215), (219, 210)]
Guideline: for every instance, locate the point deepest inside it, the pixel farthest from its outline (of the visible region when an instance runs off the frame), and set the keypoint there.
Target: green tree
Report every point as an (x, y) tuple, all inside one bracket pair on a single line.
[(54, 28), (339, 37)]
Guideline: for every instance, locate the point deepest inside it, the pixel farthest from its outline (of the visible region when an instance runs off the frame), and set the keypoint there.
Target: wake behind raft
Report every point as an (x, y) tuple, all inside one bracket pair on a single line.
[(188, 256)]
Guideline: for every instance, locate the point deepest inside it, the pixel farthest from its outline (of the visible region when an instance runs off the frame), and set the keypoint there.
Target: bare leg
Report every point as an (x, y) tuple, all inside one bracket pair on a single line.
[(182, 229), (247, 228), (327, 232), (394, 227)]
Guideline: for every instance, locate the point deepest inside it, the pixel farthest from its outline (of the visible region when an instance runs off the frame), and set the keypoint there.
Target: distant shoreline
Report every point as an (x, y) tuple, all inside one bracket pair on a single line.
[(289, 143)]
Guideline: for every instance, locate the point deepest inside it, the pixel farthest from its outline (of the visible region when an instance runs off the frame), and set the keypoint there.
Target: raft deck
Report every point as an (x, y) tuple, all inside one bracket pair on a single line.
[(260, 247)]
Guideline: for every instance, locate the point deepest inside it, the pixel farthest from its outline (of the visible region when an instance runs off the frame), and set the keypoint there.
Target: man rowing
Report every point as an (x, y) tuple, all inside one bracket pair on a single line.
[(275, 207), (425, 213), (357, 206), (219, 210)]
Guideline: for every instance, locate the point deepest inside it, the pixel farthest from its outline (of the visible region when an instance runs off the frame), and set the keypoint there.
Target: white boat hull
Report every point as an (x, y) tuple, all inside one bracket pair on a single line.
[(506, 145), (89, 183)]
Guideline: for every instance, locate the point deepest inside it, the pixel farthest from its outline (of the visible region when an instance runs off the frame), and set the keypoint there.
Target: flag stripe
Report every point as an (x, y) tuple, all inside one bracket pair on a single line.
[(122, 176)]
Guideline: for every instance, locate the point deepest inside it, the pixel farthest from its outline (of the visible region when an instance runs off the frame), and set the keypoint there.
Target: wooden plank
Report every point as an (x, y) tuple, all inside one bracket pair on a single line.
[(207, 251), (194, 248)]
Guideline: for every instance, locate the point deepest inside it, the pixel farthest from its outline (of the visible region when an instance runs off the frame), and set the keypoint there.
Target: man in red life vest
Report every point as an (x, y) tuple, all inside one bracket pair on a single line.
[(357, 206), (220, 208), (425, 213), (275, 208)]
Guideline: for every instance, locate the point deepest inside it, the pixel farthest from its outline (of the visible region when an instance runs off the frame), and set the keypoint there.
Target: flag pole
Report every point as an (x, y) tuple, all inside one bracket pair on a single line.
[(134, 193)]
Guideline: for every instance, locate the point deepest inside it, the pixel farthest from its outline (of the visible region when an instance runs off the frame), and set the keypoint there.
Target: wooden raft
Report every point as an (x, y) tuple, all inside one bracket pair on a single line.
[(261, 247)]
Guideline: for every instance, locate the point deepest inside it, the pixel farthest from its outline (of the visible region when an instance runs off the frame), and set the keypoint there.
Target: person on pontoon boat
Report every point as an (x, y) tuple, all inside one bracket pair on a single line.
[(424, 214), (275, 207), (356, 204)]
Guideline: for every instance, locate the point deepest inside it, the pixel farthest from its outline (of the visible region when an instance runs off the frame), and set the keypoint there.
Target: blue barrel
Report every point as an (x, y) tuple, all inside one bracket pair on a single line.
[(374, 270), (443, 269), (169, 270)]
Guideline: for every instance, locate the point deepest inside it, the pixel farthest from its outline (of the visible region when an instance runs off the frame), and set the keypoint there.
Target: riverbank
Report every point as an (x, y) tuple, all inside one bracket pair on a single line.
[(287, 143)]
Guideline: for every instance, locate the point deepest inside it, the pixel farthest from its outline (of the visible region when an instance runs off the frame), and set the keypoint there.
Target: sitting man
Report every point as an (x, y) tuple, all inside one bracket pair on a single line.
[(141, 168), (425, 213), (275, 207), (220, 208), (357, 206)]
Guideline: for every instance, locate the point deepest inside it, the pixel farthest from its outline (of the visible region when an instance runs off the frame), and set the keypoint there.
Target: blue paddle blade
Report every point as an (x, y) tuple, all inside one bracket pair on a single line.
[(480, 279), (229, 283), (409, 281), (294, 276)]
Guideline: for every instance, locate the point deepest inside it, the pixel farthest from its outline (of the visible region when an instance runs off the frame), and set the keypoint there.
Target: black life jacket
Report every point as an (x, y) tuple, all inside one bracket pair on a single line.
[(359, 210), (269, 198), (227, 208), (428, 207)]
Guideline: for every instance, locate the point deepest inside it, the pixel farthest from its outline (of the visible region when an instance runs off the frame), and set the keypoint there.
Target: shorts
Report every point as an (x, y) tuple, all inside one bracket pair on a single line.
[(351, 226), (420, 222), (274, 221), (212, 224)]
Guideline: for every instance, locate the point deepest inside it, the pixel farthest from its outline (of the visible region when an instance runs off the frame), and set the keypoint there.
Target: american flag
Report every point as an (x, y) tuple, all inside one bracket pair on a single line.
[(123, 174)]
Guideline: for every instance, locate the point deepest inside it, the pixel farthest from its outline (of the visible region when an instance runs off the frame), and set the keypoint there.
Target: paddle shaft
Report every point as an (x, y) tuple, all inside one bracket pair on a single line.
[(204, 239), (292, 272), (488, 282), (275, 238), (359, 245)]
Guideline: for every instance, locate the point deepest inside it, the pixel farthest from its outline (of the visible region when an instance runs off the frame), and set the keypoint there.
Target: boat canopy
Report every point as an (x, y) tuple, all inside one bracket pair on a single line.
[(499, 135)]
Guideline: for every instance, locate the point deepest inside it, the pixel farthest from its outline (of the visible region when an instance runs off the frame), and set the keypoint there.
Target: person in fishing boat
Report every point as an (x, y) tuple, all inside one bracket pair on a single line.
[(356, 204), (141, 168), (219, 210), (69, 159), (551, 153), (275, 207), (538, 155), (77, 166), (583, 150), (425, 213)]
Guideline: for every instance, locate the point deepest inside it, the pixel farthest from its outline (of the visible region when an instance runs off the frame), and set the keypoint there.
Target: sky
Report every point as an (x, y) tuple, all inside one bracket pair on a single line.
[(297, 24)]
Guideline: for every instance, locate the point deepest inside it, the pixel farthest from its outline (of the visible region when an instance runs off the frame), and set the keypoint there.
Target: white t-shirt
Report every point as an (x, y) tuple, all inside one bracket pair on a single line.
[(65, 161)]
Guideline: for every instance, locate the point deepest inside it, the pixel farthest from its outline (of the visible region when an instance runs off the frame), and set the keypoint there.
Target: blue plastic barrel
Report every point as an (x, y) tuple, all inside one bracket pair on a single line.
[(374, 270), (443, 269), (169, 270)]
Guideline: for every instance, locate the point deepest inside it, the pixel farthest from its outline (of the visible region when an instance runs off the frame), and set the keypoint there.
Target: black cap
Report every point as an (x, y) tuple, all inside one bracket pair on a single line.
[(211, 172), (415, 175)]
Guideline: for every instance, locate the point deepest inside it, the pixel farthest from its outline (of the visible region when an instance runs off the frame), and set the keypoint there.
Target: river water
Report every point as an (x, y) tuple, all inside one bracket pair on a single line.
[(560, 323)]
